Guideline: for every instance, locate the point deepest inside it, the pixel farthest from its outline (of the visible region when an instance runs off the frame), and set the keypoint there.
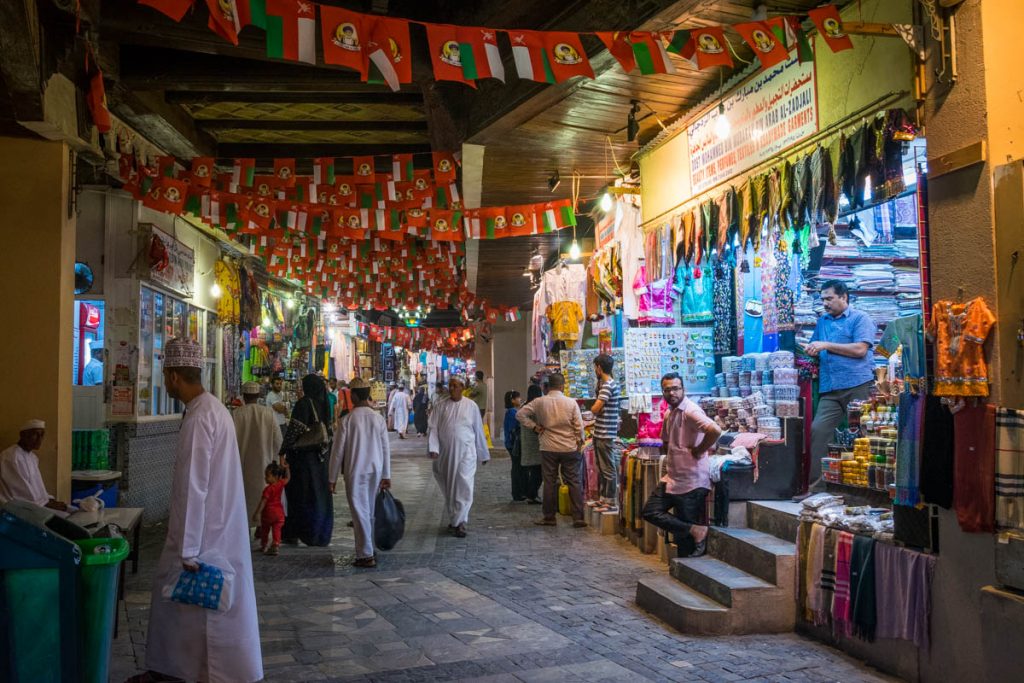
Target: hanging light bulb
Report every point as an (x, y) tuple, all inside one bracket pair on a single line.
[(289, 303), (574, 251), (215, 291), (606, 202), (722, 126), (267, 322)]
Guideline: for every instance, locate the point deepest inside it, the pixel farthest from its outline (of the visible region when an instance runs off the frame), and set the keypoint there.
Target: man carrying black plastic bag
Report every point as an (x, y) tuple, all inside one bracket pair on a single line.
[(361, 451)]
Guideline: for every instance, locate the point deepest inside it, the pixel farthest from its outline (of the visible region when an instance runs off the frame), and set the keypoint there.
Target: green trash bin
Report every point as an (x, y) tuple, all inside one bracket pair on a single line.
[(101, 560)]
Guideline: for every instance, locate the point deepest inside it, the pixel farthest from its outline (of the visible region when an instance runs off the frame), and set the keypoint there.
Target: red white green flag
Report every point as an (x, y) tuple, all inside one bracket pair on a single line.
[(388, 48), (650, 54), (620, 47), (681, 43), (478, 51), (763, 41), (446, 53), (558, 215), (291, 30), (532, 62)]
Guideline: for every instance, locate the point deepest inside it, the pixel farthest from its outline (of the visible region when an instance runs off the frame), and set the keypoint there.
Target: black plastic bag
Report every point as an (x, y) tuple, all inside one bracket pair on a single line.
[(388, 521)]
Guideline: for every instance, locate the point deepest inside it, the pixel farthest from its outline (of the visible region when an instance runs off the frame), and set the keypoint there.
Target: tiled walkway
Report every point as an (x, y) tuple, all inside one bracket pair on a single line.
[(512, 602)]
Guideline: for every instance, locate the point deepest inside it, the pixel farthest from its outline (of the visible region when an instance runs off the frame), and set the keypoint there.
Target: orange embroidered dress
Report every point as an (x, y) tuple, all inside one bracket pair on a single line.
[(959, 332)]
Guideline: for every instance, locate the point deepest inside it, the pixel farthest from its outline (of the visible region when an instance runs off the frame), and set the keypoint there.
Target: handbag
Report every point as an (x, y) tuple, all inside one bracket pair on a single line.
[(388, 520), (316, 435), (209, 588)]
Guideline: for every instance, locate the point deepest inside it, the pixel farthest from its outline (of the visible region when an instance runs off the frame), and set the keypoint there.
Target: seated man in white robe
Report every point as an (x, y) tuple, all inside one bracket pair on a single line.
[(207, 523), (20, 478), (456, 445), (362, 454)]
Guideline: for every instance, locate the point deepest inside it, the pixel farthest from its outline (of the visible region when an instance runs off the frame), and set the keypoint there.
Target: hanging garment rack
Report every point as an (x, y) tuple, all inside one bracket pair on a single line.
[(794, 151)]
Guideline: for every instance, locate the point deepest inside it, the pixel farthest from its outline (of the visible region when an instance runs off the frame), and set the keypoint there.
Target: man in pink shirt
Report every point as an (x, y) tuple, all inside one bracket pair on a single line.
[(687, 434)]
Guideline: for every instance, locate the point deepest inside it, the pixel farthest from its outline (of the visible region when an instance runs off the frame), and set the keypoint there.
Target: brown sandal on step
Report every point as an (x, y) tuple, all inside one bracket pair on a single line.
[(365, 562)]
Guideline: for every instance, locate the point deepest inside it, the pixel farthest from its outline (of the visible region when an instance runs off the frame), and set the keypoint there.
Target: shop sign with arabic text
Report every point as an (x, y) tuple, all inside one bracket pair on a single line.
[(769, 113)]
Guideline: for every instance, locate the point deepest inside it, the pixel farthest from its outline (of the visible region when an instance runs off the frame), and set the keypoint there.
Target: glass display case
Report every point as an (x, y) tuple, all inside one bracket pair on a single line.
[(163, 317)]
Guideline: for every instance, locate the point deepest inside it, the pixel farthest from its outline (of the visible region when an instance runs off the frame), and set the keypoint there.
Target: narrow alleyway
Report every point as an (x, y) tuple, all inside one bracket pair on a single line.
[(512, 602)]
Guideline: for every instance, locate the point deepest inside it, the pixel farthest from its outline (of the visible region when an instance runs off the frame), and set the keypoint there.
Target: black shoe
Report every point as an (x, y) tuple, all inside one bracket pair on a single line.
[(532, 501), (518, 500), (700, 549), (460, 531)]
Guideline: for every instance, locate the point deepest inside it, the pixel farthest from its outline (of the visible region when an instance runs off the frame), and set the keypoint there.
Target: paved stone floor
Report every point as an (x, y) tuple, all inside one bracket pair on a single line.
[(512, 602)]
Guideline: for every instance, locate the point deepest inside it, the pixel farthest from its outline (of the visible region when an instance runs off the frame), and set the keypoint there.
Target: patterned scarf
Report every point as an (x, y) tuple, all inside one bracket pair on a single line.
[(841, 625), (1010, 468)]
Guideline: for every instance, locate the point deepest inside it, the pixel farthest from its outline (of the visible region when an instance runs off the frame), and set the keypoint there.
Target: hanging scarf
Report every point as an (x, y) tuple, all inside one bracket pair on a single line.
[(862, 588), (815, 609), (841, 599)]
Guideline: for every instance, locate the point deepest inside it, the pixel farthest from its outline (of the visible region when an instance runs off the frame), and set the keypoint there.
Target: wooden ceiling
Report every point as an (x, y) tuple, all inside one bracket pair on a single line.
[(192, 93)]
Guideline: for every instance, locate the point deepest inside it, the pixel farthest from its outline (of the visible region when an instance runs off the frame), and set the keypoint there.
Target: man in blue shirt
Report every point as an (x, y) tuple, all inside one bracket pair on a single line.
[(842, 343)]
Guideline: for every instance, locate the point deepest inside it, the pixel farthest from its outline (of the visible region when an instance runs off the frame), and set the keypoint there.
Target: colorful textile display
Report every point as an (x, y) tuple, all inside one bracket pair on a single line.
[(841, 624), (904, 593)]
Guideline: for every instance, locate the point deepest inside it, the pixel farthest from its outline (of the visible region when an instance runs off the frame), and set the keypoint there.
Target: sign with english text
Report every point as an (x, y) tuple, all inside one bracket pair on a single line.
[(769, 113)]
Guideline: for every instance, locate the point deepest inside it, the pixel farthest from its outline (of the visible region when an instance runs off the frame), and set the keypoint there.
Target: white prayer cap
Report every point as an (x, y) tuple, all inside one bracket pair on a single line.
[(461, 379), (32, 424), (251, 389), (183, 353)]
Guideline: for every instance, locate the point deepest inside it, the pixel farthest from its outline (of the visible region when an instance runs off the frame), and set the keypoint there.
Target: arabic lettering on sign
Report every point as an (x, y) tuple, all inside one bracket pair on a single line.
[(768, 114)]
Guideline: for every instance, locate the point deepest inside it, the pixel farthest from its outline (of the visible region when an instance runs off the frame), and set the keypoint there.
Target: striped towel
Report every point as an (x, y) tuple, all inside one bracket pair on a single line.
[(841, 600), (816, 605), (1010, 468)]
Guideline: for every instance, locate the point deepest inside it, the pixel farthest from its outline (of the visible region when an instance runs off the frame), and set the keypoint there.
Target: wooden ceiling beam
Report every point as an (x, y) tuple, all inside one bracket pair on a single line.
[(354, 126), (298, 96), (175, 69), (167, 126), (265, 151)]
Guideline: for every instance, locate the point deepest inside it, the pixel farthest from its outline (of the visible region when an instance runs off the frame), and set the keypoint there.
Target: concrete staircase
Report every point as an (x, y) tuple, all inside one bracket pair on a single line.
[(744, 584)]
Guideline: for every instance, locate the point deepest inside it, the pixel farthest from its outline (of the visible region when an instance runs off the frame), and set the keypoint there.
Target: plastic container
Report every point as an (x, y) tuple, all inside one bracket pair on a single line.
[(101, 560)]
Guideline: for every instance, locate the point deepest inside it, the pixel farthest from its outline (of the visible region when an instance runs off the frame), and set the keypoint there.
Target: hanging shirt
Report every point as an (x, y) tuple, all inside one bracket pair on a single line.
[(20, 478), (698, 296), (565, 318), (259, 442), (207, 521), (959, 331), (631, 250)]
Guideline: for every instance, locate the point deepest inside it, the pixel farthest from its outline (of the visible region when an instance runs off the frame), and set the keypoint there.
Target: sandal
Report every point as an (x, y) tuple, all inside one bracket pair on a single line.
[(274, 550), (365, 562)]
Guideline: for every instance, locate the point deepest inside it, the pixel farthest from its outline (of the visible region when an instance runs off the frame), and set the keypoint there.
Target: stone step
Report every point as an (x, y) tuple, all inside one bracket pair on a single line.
[(606, 523), (780, 518), (756, 606), (718, 580), (682, 608), (765, 556)]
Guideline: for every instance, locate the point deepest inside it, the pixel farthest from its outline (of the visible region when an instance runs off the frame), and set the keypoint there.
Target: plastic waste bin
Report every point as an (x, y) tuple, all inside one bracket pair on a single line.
[(101, 560), (38, 595), (58, 597)]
